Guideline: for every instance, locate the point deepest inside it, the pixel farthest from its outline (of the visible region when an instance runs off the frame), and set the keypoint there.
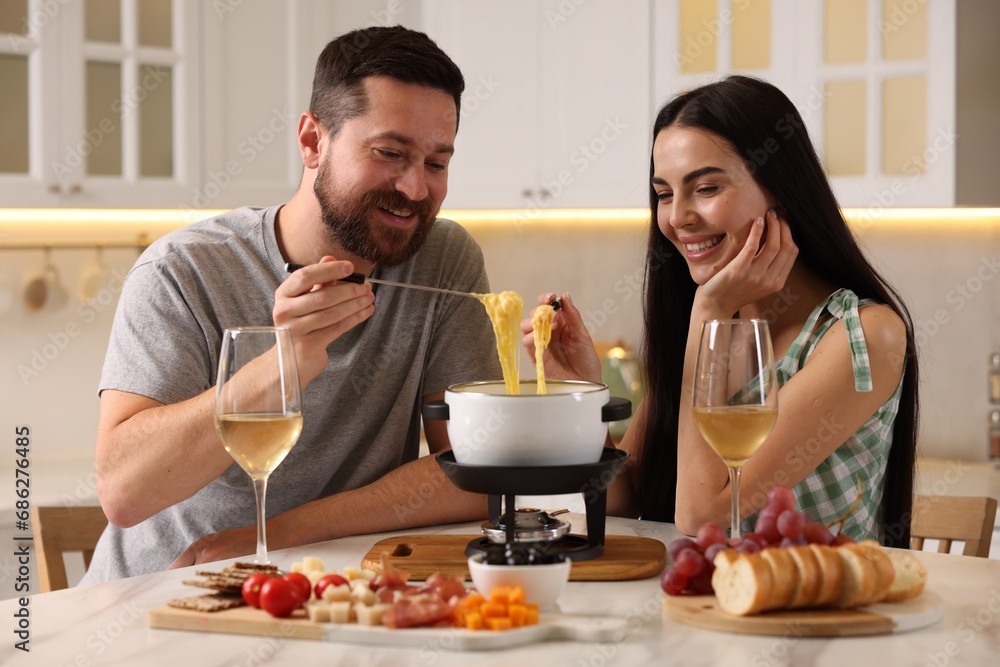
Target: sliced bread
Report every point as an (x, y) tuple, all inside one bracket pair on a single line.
[(910, 577), (859, 577), (831, 574), (807, 589), (884, 571), (742, 585), (784, 577)]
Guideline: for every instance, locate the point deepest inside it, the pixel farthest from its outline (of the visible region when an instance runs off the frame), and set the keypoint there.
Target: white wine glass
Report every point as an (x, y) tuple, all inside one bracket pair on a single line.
[(735, 394), (258, 406)]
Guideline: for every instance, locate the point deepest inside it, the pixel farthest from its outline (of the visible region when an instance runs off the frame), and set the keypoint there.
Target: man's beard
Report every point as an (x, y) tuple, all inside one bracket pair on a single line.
[(348, 222)]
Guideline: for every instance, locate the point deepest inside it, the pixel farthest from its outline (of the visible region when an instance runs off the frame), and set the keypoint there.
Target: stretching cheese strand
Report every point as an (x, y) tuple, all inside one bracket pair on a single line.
[(541, 322), (505, 310)]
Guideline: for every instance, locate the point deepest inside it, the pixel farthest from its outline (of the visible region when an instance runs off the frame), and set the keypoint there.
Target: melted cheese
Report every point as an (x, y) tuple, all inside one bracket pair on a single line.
[(541, 322), (505, 310)]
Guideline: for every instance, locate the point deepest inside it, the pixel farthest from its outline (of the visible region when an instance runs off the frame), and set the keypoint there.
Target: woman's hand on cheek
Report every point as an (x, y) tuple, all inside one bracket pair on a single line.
[(760, 269)]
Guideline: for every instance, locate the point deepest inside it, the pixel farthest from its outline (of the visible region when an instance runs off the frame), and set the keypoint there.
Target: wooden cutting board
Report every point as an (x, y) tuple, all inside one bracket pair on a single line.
[(625, 557), (880, 619), (249, 621)]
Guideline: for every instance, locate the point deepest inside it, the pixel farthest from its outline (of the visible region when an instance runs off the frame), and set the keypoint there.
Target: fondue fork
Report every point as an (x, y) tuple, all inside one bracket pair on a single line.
[(359, 279)]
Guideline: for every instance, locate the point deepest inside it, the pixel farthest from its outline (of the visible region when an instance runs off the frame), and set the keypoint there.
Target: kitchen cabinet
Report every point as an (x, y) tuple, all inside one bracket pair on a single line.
[(99, 103), (160, 103), (557, 105), (874, 81)]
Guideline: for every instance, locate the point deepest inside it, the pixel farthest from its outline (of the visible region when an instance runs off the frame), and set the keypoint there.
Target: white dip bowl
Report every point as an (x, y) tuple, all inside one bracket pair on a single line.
[(542, 584)]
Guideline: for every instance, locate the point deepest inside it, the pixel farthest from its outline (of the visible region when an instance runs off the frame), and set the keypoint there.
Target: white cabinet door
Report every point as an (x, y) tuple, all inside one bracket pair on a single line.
[(497, 161), (873, 81), (111, 100), (557, 102)]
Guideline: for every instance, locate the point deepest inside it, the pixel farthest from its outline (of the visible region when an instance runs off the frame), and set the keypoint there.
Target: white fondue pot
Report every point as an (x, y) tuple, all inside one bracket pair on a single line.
[(566, 426)]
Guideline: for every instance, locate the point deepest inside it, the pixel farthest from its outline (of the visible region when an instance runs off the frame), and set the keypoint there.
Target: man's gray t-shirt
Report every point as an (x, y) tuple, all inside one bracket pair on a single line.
[(361, 416)]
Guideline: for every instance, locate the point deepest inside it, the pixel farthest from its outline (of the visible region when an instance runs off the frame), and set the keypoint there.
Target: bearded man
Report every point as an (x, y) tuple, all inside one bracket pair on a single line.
[(375, 146)]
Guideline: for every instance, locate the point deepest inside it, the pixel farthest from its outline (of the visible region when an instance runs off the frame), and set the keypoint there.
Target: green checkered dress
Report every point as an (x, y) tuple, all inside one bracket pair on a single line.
[(830, 490)]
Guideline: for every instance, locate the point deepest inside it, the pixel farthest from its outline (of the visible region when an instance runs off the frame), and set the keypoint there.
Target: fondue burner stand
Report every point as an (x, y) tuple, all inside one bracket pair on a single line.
[(508, 525)]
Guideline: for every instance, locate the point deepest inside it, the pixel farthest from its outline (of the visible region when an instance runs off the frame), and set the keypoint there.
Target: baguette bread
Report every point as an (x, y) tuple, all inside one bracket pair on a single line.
[(784, 576), (858, 585), (885, 573), (831, 574), (743, 585), (814, 575), (910, 577), (807, 591)]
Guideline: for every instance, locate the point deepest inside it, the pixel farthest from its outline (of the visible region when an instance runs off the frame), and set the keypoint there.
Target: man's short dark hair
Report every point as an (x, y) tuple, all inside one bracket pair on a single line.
[(403, 54)]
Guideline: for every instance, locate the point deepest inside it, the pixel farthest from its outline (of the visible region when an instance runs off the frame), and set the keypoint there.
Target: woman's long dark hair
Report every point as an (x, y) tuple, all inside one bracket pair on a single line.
[(765, 128)]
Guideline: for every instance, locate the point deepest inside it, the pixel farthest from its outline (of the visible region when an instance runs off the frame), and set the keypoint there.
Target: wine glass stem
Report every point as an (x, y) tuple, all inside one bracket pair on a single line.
[(734, 482), (259, 491)]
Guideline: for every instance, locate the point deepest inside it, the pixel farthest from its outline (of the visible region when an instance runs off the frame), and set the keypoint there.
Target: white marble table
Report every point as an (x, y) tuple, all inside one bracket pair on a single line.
[(105, 624)]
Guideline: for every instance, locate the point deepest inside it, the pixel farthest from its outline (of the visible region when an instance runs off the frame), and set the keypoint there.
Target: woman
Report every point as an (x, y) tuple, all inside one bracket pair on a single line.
[(744, 224)]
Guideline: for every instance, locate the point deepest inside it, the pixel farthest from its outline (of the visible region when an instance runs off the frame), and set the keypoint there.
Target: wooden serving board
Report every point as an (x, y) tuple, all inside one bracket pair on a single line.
[(249, 621), (625, 557), (880, 619)]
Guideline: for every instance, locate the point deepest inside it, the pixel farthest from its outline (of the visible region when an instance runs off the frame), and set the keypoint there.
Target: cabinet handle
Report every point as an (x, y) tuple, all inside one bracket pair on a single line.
[(544, 194), (527, 193), (55, 188), (75, 189)]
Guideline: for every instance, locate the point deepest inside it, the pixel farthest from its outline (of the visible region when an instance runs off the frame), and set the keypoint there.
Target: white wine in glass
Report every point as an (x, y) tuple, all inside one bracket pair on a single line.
[(258, 406), (735, 394)]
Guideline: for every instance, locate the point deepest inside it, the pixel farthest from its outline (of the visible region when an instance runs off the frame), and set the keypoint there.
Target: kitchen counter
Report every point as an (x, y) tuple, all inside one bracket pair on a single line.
[(105, 624)]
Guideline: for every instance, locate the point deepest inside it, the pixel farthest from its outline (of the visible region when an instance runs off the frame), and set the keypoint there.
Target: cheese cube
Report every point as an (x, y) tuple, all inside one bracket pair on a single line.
[(370, 615), (341, 612)]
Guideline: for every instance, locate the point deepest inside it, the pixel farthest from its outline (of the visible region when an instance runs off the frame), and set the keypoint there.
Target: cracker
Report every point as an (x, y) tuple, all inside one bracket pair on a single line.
[(209, 602), (230, 586)]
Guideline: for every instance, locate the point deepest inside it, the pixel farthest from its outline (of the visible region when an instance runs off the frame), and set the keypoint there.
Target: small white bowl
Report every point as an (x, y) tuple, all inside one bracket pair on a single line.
[(542, 584)]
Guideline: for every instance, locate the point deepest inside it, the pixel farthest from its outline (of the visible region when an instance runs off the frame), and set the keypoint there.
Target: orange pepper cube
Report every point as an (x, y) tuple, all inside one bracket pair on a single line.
[(498, 623)]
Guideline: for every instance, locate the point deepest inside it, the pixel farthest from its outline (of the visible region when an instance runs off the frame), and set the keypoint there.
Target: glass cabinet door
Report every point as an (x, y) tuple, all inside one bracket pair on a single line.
[(97, 98)]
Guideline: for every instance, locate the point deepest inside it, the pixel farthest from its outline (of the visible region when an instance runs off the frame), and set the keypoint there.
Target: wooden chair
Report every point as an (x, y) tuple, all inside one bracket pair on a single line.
[(61, 530), (948, 518)]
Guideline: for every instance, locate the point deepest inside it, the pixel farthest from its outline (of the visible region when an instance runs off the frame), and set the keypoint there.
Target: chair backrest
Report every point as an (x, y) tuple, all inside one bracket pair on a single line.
[(949, 518), (60, 530)]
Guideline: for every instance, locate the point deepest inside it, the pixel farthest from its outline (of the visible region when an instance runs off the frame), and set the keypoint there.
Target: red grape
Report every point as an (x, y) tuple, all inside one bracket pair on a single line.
[(702, 584), (689, 563), (781, 498), (673, 582), (679, 545), (709, 534), (757, 538), (793, 541), (748, 547), (767, 525), (713, 551), (790, 523), (816, 533), (842, 538)]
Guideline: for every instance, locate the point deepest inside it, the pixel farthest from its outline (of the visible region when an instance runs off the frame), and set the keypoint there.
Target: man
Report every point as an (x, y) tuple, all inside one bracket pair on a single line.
[(375, 146)]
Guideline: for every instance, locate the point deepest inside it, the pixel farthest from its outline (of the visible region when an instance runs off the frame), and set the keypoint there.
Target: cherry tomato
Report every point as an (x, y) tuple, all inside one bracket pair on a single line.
[(251, 588), (328, 580), (279, 597), (302, 584)]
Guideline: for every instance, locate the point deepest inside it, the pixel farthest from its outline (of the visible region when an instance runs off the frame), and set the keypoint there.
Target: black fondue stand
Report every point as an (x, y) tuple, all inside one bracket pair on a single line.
[(502, 483)]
